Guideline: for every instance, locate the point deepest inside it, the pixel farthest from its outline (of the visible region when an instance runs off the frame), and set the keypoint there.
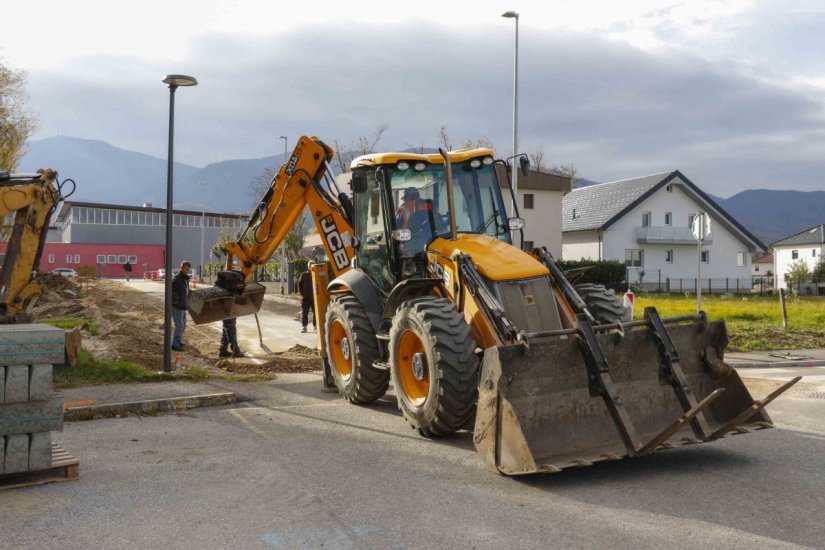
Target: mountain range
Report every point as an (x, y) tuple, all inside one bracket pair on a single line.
[(107, 174)]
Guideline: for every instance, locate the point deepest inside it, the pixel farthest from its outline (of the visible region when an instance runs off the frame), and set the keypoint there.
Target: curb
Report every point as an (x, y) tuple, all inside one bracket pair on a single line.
[(148, 406), (780, 364)]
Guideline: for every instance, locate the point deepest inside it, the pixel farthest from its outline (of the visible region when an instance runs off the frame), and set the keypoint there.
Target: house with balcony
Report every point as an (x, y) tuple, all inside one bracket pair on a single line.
[(647, 224), (806, 247)]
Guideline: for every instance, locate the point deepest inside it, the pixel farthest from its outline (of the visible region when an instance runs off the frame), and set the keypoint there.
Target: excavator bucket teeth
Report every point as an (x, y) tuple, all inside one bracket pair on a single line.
[(215, 304), (539, 411)]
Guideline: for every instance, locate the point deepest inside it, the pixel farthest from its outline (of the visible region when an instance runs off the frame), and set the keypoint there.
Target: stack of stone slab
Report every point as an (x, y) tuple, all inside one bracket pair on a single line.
[(29, 410)]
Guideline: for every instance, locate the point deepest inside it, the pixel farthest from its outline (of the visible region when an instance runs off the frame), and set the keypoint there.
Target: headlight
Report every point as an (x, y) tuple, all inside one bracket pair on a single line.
[(475, 163), (419, 166), (403, 165), (488, 161)]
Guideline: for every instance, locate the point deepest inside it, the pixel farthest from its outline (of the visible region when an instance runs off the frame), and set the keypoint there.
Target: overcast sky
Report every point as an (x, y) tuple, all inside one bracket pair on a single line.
[(731, 93)]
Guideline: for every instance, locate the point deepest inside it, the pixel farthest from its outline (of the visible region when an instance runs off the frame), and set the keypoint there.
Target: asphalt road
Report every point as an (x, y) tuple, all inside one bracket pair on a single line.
[(297, 468)]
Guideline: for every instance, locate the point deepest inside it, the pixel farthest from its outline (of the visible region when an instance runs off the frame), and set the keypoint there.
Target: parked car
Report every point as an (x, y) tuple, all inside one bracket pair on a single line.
[(66, 272)]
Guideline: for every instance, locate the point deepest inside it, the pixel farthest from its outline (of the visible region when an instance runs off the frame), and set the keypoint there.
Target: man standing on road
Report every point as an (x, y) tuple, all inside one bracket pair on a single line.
[(180, 288), (127, 269), (307, 298)]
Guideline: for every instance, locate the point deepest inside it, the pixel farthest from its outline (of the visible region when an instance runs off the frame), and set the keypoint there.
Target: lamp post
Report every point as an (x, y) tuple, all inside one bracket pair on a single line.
[(283, 244), (173, 81), (203, 225), (514, 15)]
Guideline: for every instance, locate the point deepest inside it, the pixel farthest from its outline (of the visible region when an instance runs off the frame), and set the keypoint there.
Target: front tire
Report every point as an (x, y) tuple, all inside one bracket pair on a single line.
[(351, 348), (434, 366)]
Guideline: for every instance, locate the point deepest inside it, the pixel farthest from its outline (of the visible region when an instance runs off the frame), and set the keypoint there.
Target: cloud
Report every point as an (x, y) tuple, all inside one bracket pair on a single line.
[(614, 110)]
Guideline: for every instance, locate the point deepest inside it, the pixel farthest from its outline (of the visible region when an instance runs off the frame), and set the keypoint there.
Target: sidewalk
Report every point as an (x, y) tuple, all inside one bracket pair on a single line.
[(780, 358)]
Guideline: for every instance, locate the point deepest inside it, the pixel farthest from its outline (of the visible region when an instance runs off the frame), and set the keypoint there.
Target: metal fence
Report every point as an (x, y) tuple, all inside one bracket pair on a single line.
[(654, 281)]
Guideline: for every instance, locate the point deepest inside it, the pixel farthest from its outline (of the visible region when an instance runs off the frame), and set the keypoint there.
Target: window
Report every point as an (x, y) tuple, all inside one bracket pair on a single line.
[(120, 217), (574, 213), (101, 258), (814, 252), (633, 257), (706, 256), (529, 246), (645, 219), (111, 259), (794, 254), (528, 201), (132, 259), (740, 259), (756, 268), (68, 258), (669, 188), (121, 260), (668, 218), (98, 215), (141, 218), (669, 256), (51, 258), (77, 258), (690, 219)]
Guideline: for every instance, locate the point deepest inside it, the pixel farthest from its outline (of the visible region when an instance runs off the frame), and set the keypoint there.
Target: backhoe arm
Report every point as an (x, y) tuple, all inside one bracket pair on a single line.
[(297, 184), (32, 198)]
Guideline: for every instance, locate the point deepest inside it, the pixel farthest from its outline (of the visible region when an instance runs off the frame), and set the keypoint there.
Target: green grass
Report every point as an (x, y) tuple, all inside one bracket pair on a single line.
[(197, 374), (89, 371), (72, 322), (754, 322)]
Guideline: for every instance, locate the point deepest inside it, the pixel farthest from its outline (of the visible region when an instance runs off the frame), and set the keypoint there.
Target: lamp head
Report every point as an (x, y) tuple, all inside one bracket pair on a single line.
[(175, 80), (510, 15)]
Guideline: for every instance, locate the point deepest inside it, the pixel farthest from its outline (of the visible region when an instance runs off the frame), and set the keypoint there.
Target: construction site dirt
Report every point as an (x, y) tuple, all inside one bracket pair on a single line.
[(127, 324)]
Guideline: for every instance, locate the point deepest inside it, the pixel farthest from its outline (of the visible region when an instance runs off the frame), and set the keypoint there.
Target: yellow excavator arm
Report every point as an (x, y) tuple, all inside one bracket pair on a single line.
[(32, 199), (299, 183)]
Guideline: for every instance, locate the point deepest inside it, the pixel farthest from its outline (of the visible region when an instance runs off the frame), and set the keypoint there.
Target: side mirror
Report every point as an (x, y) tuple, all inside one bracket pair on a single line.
[(359, 181), (524, 164), (515, 223)]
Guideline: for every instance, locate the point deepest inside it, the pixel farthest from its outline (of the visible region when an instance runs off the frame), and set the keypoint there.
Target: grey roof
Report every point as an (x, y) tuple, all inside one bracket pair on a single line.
[(812, 235), (596, 205)]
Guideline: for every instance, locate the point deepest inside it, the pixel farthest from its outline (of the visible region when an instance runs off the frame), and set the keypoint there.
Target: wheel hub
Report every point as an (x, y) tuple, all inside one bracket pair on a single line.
[(418, 362), (345, 348)]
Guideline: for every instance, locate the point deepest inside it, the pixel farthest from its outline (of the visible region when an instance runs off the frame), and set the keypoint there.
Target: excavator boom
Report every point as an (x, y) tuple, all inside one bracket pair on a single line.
[(298, 184)]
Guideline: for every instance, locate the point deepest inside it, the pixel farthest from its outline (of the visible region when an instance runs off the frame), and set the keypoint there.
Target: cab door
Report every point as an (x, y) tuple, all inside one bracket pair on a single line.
[(372, 231)]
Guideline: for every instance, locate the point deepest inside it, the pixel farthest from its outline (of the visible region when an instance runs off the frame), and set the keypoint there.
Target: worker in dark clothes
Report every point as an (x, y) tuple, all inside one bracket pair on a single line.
[(229, 339), (307, 298), (180, 289), (127, 269)]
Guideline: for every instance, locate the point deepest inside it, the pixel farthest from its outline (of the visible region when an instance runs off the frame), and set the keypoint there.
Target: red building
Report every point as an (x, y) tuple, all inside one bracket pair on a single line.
[(106, 259)]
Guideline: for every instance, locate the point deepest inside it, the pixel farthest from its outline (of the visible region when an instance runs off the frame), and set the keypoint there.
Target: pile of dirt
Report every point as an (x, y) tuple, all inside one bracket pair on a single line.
[(54, 282), (296, 359)]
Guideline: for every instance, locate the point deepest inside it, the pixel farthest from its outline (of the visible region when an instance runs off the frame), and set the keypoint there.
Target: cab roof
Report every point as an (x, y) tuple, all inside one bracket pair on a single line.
[(376, 159)]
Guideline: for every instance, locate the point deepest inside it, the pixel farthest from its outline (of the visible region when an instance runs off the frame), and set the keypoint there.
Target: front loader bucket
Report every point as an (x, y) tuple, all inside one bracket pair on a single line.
[(542, 409), (216, 304)]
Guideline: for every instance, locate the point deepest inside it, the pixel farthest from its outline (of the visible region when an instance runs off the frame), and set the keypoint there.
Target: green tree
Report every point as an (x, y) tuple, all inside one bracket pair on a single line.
[(819, 270), (799, 273), (16, 124)]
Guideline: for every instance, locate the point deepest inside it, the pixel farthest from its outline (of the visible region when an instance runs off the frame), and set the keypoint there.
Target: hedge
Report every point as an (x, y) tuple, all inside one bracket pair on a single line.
[(602, 272)]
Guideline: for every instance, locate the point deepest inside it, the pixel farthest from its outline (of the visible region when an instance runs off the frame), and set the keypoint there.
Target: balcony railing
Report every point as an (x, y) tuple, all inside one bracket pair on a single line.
[(667, 235)]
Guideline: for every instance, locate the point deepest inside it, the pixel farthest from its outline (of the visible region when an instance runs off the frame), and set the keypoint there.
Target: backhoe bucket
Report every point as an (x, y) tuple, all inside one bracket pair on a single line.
[(216, 304), (547, 405)]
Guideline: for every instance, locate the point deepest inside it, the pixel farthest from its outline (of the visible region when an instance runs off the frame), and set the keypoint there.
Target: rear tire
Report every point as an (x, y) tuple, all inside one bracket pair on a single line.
[(351, 348), (603, 304), (434, 366)]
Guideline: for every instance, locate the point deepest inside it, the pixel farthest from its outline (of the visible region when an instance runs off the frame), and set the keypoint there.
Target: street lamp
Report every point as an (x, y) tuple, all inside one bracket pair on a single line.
[(283, 244), (514, 15), (173, 81), (203, 225)]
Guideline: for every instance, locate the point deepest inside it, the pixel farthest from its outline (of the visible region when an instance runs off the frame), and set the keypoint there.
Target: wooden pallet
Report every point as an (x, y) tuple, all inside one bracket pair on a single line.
[(64, 467)]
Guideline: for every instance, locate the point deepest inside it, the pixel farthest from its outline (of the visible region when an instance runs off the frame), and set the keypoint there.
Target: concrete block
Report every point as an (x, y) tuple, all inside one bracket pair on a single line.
[(17, 453), (31, 416), (40, 382), (40, 451), (31, 344), (17, 383)]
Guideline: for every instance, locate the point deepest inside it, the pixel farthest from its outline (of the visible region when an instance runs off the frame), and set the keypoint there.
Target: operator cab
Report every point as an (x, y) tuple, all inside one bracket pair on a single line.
[(401, 205)]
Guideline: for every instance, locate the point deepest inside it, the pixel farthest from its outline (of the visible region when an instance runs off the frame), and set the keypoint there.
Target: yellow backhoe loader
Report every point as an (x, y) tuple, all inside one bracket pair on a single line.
[(32, 199), (425, 289)]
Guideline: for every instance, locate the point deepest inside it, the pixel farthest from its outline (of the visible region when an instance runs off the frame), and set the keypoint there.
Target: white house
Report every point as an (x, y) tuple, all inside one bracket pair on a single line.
[(540, 197), (762, 266), (806, 246), (646, 222)]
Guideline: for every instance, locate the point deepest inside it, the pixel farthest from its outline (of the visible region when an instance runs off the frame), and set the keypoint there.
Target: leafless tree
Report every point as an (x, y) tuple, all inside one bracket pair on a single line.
[(537, 158), (363, 145), (568, 170), (444, 138)]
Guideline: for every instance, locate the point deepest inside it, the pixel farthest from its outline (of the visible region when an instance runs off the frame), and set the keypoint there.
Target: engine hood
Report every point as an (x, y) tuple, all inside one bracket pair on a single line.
[(495, 259)]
